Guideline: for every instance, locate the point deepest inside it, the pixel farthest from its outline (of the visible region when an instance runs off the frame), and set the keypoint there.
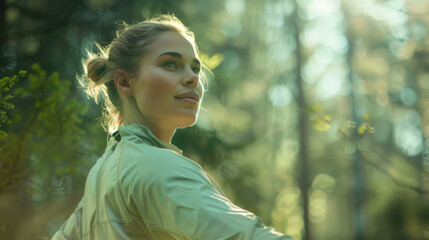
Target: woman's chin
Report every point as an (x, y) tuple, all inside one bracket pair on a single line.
[(186, 121)]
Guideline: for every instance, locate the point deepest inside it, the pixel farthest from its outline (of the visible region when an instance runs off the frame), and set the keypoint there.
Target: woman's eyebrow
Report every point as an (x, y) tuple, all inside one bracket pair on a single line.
[(178, 55)]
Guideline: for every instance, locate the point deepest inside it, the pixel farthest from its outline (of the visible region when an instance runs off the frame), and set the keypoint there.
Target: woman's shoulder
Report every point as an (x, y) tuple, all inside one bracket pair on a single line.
[(147, 162), (143, 153)]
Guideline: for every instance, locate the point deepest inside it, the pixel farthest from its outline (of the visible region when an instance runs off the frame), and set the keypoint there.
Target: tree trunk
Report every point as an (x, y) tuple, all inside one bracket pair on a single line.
[(358, 186), (302, 127)]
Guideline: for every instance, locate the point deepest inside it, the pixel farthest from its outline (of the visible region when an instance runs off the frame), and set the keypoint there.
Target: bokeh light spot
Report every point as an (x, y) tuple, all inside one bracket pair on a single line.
[(280, 95), (235, 7), (408, 96)]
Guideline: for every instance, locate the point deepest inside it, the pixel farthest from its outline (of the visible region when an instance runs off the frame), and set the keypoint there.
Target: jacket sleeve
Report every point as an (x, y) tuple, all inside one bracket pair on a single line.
[(175, 198), (71, 228)]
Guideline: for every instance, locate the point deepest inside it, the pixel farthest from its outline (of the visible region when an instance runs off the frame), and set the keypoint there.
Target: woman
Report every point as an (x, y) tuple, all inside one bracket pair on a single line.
[(142, 187)]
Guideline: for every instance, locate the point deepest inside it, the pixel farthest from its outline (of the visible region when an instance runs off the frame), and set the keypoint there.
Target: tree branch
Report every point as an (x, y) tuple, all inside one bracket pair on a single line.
[(389, 175)]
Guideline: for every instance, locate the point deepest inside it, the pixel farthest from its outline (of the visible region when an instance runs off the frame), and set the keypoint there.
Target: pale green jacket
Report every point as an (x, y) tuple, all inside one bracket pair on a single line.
[(143, 188)]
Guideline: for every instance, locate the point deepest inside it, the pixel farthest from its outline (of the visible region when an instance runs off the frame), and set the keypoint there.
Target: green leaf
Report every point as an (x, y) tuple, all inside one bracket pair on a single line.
[(22, 73), (213, 61), (366, 116), (321, 125), (362, 128)]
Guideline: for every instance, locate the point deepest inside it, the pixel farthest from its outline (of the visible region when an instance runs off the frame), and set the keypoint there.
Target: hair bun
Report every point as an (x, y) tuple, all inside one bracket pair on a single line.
[(96, 68)]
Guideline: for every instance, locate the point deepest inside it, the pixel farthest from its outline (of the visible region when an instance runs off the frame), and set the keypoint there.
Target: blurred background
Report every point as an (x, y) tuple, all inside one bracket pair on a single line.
[(315, 117)]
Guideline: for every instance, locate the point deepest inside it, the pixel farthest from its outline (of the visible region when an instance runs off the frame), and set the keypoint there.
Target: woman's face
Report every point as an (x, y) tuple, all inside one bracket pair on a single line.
[(168, 89)]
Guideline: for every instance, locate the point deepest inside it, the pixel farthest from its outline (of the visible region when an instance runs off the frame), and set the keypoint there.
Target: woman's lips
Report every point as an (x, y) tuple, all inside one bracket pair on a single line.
[(191, 97), (186, 99)]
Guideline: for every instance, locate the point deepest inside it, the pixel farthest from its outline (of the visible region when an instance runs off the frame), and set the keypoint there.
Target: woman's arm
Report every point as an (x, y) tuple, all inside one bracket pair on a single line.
[(175, 197), (71, 228)]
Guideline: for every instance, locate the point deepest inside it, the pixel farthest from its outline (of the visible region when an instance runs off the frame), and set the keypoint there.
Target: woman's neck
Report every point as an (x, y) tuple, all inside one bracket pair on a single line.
[(161, 128)]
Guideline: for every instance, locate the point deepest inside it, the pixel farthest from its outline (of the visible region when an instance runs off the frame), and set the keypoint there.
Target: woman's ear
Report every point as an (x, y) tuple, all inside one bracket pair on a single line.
[(123, 82)]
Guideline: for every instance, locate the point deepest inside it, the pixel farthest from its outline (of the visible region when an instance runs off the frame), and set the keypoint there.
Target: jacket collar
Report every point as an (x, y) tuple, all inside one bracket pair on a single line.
[(142, 132)]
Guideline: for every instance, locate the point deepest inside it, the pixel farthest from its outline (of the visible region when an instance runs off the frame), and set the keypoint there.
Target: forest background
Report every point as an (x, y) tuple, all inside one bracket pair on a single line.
[(315, 117)]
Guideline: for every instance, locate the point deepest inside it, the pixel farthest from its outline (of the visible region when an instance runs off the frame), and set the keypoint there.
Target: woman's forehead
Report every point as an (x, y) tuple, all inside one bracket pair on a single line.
[(172, 42)]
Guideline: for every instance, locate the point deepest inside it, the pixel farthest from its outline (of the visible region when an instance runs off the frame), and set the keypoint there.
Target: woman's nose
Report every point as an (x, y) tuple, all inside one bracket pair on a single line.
[(191, 80)]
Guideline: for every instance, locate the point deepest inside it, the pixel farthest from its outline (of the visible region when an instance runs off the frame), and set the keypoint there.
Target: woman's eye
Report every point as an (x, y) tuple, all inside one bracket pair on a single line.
[(170, 65)]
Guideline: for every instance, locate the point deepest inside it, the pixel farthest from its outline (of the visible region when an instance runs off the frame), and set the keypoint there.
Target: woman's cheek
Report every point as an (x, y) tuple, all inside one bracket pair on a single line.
[(159, 90), (163, 84)]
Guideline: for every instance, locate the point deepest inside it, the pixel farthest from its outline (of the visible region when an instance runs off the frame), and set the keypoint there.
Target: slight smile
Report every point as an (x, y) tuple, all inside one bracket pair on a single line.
[(191, 97)]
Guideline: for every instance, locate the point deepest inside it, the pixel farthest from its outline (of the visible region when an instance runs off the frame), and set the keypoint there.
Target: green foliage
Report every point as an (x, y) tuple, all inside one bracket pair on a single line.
[(6, 85), (365, 126), (323, 122), (213, 61), (46, 146)]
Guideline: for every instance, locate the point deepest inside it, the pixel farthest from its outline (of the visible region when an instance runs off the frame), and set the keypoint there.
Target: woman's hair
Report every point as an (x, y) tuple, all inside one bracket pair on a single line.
[(124, 52)]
